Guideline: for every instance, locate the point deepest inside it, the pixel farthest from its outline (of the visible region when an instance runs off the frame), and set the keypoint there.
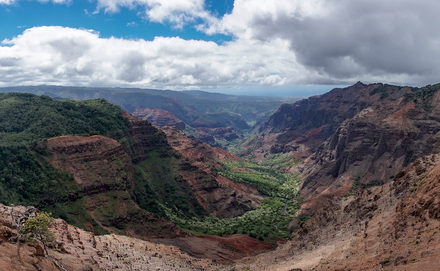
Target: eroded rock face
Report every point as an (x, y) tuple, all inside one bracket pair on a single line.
[(77, 250), (374, 145), (394, 226), (211, 136), (93, 161), (307, 123), (142, 138), (103, 169), (205, 133), (217, 194), (370, 185), (366, 133), (104, 172), (159, 117)]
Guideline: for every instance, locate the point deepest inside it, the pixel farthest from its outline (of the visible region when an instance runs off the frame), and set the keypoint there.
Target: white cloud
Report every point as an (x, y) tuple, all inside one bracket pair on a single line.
[(7, 2), (280, 42), (56, 1), (330, 41), (10, 2), (67, 56), (131, 24), (176, 12), (394, 41)]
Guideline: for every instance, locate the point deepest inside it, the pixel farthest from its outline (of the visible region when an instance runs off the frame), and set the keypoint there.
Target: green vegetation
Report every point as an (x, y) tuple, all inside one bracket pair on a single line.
[(26, 178), (37, 229), (74, 213), (269, 221), (302, 218), (372, 183), (268, 181), (157, 187), (423, 96), (383, 90), (357, 184), (279, 161), (26, 118)]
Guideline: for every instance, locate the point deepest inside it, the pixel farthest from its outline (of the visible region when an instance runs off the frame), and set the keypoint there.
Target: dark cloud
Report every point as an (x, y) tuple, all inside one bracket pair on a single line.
[(355, 38)]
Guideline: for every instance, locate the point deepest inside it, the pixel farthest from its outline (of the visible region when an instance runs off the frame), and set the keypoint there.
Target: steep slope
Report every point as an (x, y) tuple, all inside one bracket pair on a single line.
[(389, 227), (370, 188), (301, 127), (215, 129), (78, 250), (374, 145), (159, 117), (363, 133), (104, 173), (126, 179), (216, 193)]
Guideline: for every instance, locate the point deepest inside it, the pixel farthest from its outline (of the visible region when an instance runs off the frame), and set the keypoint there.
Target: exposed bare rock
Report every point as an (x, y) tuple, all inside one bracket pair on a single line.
[(376, 143), (159, 117), (304, 125), (104, 172), (78, 250), (390, 227), (142, 139), (370, 187), (217, 194), (222, 249)]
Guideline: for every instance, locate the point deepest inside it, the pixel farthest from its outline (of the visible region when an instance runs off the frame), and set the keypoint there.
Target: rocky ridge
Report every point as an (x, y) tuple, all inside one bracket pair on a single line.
[(217, 194), (104, 172), (159, 117), (76, 249), (394, 226), (378, 142), (370, 183)]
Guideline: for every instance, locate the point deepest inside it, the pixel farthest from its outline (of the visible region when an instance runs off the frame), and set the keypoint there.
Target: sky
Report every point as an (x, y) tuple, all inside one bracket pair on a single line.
[(260, 47)]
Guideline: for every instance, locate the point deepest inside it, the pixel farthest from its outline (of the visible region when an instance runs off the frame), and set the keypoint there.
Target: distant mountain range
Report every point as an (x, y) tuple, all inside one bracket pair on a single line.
[(202, 112)]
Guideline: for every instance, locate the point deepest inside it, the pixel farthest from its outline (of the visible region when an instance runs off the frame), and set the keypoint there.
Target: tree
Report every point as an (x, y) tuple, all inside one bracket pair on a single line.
[(37, 229)]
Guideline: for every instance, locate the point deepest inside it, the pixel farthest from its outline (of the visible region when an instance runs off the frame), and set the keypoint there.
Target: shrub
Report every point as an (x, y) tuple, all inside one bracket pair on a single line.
[(37, 229)]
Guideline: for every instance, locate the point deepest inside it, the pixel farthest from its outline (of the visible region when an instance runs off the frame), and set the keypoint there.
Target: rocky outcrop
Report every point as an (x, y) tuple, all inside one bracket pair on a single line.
[(93, 161), (387, 227), (107, 194), (300, 128), (217, 194), (219, 135), (104, 173), (371, 184), (141, 139), (159, 117), (222, 249), (77, 250), (374, 145)]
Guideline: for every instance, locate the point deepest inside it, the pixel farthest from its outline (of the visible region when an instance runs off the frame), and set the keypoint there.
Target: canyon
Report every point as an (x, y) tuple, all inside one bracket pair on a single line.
[(362, 163)]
